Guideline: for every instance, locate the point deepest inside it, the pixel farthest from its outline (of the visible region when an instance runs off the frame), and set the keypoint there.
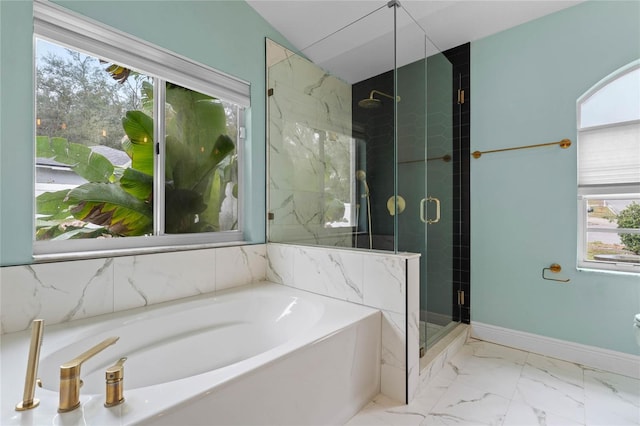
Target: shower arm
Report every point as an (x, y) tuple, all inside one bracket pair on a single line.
[(383, 94)]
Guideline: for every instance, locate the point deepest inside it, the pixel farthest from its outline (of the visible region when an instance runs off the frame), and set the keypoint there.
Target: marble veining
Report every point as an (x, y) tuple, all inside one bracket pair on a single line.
[(69, 290), (546, 392), (102, 270), (56, 292), (372, 279), (305, 103)]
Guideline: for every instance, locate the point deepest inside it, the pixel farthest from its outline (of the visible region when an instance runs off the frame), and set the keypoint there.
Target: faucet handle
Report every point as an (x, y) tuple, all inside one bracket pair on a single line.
[(70, 376), (71, 368), (114, 382)]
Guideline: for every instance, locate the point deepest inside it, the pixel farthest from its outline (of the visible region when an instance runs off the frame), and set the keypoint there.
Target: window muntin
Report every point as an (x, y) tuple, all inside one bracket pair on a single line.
[(609, 173), (171, 124)]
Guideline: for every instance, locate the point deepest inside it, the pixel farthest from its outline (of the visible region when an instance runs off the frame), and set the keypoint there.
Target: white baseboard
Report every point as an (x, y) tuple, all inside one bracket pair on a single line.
[(589, 356)]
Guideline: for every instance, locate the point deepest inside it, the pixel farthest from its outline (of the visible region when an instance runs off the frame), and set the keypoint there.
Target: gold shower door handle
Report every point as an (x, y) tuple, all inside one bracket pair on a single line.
[(423, 203)]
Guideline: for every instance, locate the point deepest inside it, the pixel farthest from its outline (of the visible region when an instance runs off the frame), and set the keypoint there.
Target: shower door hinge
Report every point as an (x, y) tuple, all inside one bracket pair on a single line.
[(271, 216), (460, 297), (460, 96), (270, 92)]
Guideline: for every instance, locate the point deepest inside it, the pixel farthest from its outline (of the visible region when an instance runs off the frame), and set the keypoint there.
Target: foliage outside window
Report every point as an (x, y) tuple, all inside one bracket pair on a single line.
[(609, 173), (123, 153)]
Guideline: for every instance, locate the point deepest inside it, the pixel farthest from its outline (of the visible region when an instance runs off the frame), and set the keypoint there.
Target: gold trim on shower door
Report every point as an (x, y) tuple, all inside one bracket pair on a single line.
[(423, 210)]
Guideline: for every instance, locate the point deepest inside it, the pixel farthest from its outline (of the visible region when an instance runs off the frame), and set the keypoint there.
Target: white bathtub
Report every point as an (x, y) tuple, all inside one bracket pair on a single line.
[(259, 354)]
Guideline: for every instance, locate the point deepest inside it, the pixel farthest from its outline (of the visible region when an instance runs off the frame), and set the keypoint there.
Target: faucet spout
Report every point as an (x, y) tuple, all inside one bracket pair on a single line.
[(70, 376)]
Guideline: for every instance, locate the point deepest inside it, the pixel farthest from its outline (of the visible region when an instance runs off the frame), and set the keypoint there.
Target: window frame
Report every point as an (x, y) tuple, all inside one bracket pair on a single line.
[(68, 29), (620, 191)]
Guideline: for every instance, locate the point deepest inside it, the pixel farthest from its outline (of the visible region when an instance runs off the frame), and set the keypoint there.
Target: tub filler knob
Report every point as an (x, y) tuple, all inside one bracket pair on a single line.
[(114, 377)]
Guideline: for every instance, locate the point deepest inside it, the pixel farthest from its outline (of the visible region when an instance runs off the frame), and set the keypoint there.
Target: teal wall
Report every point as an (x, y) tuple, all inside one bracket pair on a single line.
[(525, 82), (226, 35)]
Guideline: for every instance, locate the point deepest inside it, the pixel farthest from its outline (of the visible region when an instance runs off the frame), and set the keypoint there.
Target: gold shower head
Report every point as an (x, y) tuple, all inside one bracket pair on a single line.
[(372, 102)]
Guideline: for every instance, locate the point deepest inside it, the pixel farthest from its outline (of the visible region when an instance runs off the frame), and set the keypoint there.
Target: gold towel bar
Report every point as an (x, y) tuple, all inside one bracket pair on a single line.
[(446, 158), (555, 268), (564, 143)]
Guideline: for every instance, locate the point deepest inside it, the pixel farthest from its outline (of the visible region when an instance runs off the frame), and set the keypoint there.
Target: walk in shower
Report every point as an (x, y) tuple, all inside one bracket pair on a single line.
[(361, 150)]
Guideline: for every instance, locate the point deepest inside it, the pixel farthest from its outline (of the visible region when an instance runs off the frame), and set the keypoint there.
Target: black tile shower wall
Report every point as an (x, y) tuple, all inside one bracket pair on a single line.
[(373, 131), (460, 58)]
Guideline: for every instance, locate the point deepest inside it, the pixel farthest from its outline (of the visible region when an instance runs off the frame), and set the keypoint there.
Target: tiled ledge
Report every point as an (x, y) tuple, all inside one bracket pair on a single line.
[(65, 291)]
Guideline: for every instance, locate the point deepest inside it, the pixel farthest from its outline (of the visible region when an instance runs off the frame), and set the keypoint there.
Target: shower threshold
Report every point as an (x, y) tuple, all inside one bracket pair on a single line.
[(448, 342), (431, 333)]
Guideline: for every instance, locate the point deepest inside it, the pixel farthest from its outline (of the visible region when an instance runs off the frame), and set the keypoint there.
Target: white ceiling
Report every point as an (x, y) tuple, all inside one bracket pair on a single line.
[(353, 39)]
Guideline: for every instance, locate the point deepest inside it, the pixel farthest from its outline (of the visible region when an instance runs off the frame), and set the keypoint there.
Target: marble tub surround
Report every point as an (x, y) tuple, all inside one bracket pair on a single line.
[(385, 281), (485, 383), (63, 291), (254, 343)]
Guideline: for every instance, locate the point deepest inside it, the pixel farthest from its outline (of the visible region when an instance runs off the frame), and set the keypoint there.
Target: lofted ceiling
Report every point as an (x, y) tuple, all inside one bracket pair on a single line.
[(354, 39)]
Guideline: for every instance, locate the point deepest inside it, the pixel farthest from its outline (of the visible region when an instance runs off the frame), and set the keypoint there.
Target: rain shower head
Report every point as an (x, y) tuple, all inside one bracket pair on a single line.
[(372, 102), (369, 103)]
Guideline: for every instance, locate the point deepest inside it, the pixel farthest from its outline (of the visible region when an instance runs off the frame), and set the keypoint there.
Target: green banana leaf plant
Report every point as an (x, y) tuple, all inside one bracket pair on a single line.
[(200, 161)]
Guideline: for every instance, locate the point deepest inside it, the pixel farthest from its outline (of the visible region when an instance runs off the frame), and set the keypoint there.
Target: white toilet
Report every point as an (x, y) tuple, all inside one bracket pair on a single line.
[(636, 326)]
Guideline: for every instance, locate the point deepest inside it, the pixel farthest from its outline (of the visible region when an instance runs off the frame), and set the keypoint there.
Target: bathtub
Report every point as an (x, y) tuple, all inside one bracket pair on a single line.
[(258, 354)]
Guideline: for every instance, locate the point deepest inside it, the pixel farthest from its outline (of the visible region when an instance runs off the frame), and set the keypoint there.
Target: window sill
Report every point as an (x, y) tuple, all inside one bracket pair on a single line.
[(604, 270), (100, 254)]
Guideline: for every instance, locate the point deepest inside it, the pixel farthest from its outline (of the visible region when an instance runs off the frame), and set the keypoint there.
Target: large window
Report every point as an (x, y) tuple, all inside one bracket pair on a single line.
[(609, 173), (136, 147)]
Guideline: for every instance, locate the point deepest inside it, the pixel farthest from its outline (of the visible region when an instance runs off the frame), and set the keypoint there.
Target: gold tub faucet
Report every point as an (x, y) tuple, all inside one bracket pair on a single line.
[(31, 379), (70, 376)]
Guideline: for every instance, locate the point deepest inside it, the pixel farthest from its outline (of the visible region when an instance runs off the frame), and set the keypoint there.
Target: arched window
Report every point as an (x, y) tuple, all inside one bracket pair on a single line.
[(609, 172)]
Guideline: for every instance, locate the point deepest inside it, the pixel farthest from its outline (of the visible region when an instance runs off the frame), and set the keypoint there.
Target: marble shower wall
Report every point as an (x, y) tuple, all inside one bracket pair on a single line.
[(388, 282), (64, 291), (311, 151)]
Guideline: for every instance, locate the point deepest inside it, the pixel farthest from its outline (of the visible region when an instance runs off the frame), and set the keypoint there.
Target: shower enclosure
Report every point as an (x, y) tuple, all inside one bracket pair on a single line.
[(360, 149)]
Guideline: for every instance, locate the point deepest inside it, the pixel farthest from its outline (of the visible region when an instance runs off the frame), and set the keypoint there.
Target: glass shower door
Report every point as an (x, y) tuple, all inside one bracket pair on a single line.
[(424, 203)]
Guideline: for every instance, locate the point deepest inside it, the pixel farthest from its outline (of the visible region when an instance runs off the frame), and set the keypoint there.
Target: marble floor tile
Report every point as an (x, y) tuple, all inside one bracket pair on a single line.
[(611, 399), (475, 388), (428, 396), (552, 386), (466, 405), (521, 414), (384, 411), (492, 368)]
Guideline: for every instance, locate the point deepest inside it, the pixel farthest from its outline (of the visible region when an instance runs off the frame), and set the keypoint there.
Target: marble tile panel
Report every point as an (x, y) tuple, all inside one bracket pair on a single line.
[(276, 53), (281, 169), (280, 263), (56, 292), (466, 405), (240, 265), (393, 339), (492, 368), (335, 273), (552, 386), (393, 382), (413, 325), (281, 205), (429, 393), (611, 399), (520, 414), (436, 362), (308, 173), (154, 278), (384, 411), (308, 211), (384, 283)]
